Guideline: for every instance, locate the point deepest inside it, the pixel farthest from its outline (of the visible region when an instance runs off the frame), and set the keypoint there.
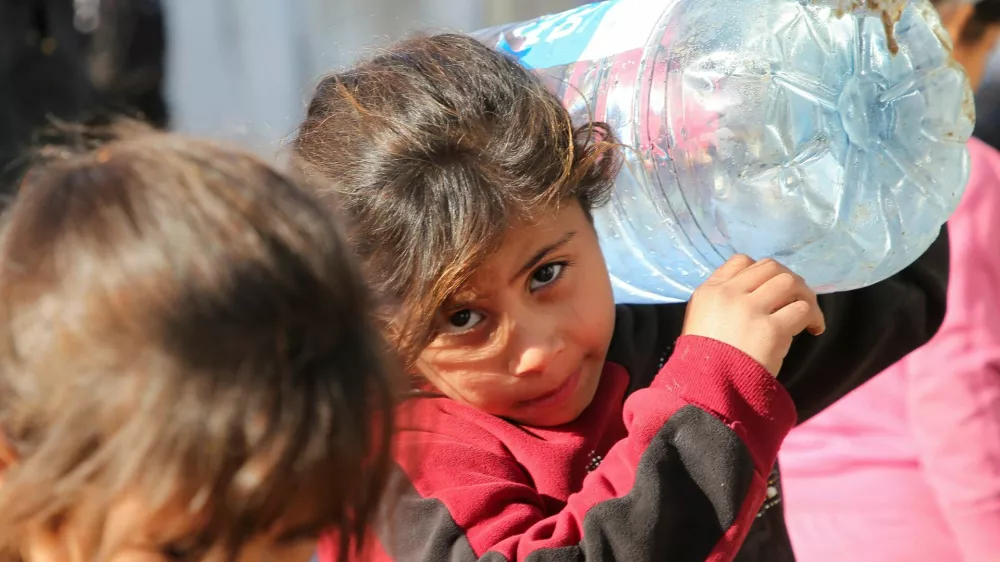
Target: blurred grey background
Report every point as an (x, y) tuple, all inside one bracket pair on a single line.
[(243, 69)]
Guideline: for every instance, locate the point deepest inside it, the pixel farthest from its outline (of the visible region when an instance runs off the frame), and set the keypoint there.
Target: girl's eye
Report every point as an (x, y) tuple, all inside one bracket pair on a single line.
[(545, 275), (177, 552), (308, 533), (463, 321), (185, 550)]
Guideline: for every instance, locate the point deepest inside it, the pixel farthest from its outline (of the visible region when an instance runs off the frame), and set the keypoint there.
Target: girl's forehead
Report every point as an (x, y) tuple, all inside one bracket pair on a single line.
[(525, 246), (548, 225)]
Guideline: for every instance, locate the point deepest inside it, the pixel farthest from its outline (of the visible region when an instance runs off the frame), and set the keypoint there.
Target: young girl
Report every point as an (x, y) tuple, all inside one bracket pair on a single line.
[(184, 361), (556, 426)]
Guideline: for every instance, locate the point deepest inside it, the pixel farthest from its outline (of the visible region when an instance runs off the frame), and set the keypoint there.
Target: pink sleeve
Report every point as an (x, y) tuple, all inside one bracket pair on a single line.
[(954, 381)]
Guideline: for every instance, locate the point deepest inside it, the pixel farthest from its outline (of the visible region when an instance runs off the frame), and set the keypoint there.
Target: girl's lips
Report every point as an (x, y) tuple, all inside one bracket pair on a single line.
[(557, 396)]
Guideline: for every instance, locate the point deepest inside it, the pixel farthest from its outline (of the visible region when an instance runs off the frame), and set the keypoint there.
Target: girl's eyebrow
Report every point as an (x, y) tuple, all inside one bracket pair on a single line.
[(301, 532), (540, 255), (468, 298)]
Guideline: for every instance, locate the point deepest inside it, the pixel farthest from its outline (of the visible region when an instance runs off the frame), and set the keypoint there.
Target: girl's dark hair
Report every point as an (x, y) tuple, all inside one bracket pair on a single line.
[(181, 319), (437, 146), (986, 15)]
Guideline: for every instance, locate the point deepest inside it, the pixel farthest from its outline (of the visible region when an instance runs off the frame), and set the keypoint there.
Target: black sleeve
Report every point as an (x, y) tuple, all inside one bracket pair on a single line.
[(867, 330), (644, 338)]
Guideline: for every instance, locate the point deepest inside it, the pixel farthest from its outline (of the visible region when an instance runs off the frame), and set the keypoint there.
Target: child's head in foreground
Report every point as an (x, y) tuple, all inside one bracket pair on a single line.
[(469, 193), (186, 368)]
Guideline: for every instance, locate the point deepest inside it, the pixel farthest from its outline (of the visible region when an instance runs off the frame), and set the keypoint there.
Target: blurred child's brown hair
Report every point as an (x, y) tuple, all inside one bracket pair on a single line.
[(182, 319)]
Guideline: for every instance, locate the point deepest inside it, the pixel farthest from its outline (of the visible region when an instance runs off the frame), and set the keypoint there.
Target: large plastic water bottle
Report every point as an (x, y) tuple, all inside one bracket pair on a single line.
[(829, 134)]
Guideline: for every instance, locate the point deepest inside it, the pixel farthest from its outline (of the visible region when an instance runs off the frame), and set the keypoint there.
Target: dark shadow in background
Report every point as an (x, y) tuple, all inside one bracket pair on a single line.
[(75, 60)]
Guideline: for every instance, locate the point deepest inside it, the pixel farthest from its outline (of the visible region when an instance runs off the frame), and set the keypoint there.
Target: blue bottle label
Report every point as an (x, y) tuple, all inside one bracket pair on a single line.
[(556, 39)]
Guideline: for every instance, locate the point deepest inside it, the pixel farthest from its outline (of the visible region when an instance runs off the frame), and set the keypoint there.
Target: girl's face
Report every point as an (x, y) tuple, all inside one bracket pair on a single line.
[(133, 534), (527, 337)]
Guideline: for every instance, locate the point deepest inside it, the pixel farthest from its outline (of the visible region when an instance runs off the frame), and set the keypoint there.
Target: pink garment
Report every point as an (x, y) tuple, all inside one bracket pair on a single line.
[(907, 467)]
